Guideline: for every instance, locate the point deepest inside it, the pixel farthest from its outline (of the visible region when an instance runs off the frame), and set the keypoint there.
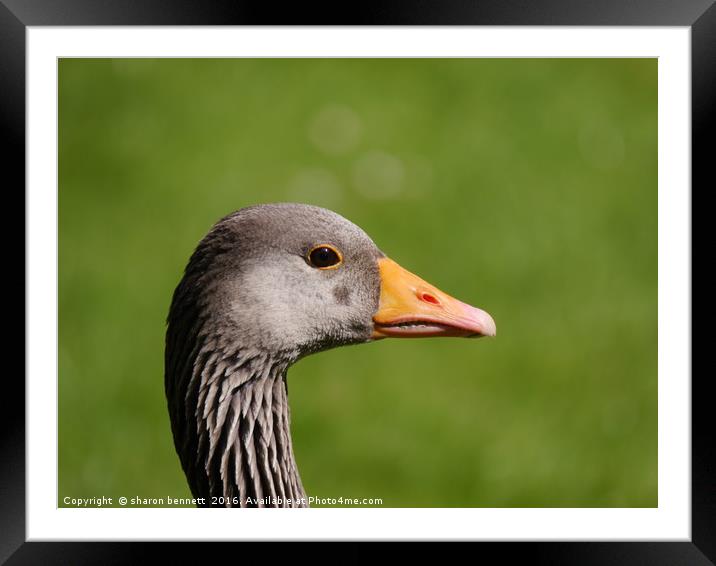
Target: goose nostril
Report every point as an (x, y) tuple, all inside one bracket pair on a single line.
[(428, 298)]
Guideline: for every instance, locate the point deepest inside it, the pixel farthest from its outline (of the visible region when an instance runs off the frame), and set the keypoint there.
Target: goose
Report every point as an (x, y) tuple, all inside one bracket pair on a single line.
[(268, 285)]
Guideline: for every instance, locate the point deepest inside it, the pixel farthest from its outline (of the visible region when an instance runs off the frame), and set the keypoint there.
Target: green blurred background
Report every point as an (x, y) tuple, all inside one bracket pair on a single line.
[(526, 187)]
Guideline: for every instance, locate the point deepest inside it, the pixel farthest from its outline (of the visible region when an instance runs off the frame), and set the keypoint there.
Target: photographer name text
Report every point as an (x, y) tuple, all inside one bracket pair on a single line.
[(169, 501)]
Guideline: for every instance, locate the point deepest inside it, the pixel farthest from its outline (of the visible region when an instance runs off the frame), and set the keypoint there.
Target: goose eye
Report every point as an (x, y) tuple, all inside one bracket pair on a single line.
[(324, 256)]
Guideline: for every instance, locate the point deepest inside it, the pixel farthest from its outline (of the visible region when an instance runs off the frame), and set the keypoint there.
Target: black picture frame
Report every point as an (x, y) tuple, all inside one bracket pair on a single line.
[(17, 15)]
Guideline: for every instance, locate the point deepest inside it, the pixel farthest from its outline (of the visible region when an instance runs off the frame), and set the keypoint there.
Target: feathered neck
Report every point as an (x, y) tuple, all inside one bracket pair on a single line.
[(231, 425)]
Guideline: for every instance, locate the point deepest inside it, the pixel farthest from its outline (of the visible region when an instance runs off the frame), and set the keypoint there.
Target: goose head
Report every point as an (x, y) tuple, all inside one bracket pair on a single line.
[(266, 286)]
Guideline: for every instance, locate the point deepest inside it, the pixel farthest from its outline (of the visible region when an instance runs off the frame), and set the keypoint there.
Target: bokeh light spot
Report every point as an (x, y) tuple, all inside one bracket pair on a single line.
[(335, 129), (378, 175)]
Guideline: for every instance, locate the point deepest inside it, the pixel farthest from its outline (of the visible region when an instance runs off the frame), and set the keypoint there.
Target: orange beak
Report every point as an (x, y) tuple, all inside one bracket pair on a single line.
[(412, 308)]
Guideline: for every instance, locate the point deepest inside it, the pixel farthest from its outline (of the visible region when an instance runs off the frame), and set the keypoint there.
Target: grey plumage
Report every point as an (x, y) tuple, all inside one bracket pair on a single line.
[(247, 307)]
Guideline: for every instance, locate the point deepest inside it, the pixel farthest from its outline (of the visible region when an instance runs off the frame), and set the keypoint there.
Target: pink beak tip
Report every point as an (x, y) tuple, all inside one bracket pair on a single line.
[(481, 320)]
